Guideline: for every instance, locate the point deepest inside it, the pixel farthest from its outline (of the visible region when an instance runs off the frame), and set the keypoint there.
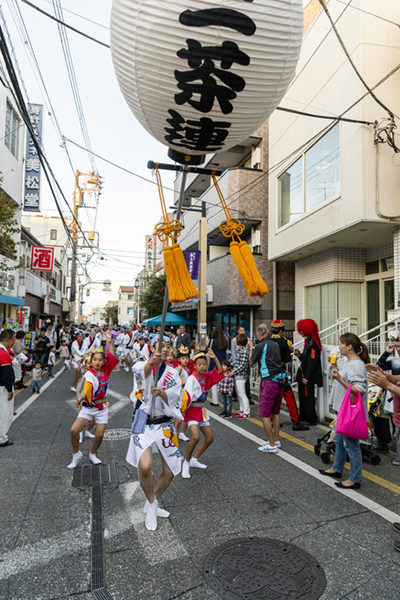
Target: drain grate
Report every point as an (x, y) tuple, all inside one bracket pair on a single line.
[(261, 568), (98, 574), (102, 594), (95, 475)]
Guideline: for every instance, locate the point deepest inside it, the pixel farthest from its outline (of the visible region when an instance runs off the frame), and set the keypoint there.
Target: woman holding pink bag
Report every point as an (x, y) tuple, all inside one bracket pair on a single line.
[(352, 408)]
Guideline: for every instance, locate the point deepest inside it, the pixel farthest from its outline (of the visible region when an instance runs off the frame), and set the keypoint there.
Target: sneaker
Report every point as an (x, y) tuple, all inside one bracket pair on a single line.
[(183, 437), (127, 369), (396, 527), (396, 546), (227, 416), (75, 460), (268, 448), (238, 414), (222, 414), (396, 463), (186, 469), (243, 416), (194, 462), (277, 444)]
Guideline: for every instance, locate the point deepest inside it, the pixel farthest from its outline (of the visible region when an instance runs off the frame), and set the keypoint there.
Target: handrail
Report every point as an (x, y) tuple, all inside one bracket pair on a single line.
[(396, 320), (339, 322)]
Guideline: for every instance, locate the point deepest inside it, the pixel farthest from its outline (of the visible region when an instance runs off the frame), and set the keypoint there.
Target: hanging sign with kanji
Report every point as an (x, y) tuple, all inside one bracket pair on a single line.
[(42, 258), (203, 75), (32, 164)]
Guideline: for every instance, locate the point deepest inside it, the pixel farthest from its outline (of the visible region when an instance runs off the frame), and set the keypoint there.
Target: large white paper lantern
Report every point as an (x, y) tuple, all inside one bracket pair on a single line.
[(202, 75)]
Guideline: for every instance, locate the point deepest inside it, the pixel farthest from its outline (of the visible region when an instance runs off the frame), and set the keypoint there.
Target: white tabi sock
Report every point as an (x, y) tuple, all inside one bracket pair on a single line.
[(196, 464), (151, 516), (186, 469), (160, 511), (93, 459), (89, 434), (81, 437), (183, 437), (75, 459)]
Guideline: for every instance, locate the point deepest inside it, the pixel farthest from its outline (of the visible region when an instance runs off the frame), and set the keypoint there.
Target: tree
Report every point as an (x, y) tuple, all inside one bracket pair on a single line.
[(111, 312), (152, 296), (8, 228)]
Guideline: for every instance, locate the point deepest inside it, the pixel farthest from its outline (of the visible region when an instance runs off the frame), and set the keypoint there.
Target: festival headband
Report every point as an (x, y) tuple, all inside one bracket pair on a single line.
[(199, 355), (183, 352), (94, 351)]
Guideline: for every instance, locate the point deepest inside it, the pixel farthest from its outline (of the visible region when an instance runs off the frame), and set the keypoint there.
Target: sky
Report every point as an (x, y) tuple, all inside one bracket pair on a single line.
[(128, 207)]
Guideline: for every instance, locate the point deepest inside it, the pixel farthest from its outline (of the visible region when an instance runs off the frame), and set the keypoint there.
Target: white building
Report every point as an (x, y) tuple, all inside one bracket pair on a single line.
[(333, 193), (96, 316), (12, 151), (125, 304)]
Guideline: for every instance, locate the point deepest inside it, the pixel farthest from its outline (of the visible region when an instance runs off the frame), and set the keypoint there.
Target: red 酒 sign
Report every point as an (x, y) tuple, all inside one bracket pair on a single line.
[(42, 258)]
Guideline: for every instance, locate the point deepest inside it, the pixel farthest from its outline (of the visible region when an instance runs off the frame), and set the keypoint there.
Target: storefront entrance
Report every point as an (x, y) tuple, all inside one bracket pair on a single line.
[(380, 291)]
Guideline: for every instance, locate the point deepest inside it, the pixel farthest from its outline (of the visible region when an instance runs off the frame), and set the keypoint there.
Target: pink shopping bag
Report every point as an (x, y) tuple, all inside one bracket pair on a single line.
[(351, 419)]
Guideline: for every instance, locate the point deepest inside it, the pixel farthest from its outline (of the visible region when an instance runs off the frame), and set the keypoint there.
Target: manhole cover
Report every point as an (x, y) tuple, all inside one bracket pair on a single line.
[(117, 434), (263, 569)]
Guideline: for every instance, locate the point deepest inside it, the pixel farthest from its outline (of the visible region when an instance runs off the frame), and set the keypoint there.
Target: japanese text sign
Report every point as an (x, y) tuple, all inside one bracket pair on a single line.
[(42, 258), (224, 68), (29, 339), (32, 163), (150, 250), (193, 262)]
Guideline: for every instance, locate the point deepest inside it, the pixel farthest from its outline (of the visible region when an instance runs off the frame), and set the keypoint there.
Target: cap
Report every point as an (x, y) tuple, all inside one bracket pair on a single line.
[(278, 323)]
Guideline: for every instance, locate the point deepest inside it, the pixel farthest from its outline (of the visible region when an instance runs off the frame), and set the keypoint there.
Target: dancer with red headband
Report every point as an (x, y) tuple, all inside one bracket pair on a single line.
[(310, 370)]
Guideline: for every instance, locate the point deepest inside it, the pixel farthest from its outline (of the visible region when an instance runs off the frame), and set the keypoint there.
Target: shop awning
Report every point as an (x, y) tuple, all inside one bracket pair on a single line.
[(4, 299)]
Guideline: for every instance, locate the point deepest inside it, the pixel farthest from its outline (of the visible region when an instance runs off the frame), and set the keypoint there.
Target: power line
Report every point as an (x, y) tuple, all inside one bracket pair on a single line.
[(81, 16), (306, 114), (65, 24)]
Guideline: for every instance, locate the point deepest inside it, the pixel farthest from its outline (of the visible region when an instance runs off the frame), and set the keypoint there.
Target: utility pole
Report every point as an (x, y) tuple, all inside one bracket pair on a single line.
[(202, 311), (90, 184)]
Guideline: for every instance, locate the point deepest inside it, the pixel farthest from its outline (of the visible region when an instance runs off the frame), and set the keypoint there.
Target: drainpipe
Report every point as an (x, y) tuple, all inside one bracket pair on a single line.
[(377, 209), (274, 292)]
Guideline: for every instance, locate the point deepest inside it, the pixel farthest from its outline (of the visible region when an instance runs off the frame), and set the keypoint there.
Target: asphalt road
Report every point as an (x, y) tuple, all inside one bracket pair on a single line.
[(45, 523)]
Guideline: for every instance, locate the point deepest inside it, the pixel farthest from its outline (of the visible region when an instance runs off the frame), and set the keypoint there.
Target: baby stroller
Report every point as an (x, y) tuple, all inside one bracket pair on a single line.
[(368, 455)]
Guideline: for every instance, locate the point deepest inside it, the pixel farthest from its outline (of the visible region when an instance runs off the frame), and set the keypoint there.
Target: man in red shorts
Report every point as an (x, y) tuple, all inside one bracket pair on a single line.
[(268, 354)]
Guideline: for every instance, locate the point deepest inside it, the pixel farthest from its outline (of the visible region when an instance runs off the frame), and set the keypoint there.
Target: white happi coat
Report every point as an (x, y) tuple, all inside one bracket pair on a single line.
[(161, 437), (88, 346), (77, 353)]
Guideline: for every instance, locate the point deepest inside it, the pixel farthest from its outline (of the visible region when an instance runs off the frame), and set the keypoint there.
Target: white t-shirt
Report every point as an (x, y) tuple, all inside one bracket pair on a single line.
[(52, 356)]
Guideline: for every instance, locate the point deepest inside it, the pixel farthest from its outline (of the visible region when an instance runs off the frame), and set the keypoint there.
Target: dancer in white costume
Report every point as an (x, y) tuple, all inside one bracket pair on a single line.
[(155, 434)]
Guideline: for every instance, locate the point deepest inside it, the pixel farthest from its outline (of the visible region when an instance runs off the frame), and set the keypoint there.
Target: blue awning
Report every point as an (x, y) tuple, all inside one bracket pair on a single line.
[(4, 299)]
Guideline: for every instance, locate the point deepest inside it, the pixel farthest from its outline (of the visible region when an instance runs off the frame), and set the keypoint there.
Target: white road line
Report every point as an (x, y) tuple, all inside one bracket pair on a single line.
[(158, 546), (353, 495), (117, 395), (34, 397), (123, 401)]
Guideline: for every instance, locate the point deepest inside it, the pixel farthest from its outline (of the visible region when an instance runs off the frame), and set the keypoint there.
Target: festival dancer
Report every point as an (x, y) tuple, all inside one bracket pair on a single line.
[(193, 406), (77, 353), (90, 343), (184, 367), (93, 402), (155, 433)]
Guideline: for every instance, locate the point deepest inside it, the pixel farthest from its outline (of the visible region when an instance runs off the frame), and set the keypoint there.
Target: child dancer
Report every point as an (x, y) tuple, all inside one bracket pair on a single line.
[(77, 351), (92, 401), (196, 416), (155, 433), (184, 367)]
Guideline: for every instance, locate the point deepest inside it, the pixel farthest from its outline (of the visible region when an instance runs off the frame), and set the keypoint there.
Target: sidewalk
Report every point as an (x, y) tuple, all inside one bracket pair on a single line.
[(45, 523)]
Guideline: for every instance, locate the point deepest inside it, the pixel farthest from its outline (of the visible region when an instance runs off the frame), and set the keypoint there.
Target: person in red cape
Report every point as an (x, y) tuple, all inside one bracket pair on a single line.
[(309, 373)]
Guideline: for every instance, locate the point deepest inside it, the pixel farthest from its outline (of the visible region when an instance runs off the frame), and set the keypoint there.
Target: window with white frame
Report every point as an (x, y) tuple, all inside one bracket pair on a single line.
[(53, 234), (312, 180), (13, 123)]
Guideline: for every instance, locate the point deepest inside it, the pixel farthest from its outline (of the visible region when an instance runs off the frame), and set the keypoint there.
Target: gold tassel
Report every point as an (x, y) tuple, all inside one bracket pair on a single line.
[(242, 268), (188, 287), (260, 288), (175, 290)]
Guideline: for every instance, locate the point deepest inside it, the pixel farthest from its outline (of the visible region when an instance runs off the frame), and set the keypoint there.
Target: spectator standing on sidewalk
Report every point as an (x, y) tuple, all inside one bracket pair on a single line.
[(183, 339), (225, 388), (36, 378), (20, 348), (234, 349), (286, 346), (41, 344), (218, 344), (7, 378), (382, 425), (268, 354), (309, 372), (241, 368)]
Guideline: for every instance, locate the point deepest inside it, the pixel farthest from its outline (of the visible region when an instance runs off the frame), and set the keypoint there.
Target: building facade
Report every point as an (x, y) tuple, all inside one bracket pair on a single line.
[(333, 191)]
